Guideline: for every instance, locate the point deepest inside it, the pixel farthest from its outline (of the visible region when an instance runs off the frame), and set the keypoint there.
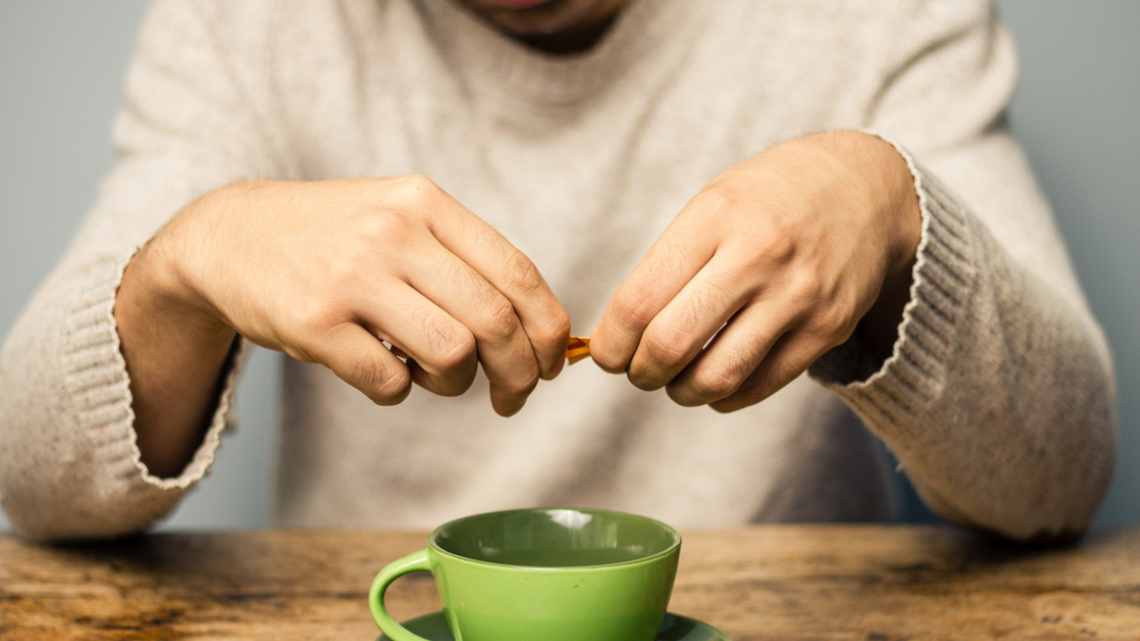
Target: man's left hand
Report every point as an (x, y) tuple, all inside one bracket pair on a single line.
[(775, 261)]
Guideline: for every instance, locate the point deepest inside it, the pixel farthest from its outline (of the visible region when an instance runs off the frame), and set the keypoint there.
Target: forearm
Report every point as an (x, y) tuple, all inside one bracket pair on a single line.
[(998, 398), (68, 465), (175, 357), (1036, 454)]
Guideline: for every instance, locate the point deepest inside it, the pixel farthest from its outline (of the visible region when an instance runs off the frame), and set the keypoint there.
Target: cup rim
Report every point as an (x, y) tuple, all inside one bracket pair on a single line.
[(433, 540)]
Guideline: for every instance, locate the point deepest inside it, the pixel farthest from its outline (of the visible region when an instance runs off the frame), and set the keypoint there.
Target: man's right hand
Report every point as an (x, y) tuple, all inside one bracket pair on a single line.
[(324, 271)]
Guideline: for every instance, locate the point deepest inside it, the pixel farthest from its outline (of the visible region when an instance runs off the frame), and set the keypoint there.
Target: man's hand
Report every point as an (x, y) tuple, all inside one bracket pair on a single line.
[(325, 271), (774, 262)]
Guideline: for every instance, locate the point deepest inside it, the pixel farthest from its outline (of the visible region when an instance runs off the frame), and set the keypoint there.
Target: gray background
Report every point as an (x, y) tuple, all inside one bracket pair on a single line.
[(61, 67)]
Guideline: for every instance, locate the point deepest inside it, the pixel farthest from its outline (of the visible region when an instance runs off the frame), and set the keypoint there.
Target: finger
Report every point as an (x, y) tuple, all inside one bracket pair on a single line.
[(440, 348), (544, 320), (788, 358), (667, 267), (731, 358), (688, 322), (362, 361), (502, 344)]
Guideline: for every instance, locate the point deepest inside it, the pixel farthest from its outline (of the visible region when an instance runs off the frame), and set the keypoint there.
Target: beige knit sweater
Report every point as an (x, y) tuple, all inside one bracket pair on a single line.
[(999, 399)]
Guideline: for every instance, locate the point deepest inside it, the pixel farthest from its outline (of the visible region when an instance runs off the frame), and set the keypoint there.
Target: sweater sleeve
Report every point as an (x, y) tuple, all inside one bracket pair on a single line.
[(69, 463), (999, 397)]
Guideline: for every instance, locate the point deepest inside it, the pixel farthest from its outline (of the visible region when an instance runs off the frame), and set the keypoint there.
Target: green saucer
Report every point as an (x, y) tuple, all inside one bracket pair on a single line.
[(673, 628)]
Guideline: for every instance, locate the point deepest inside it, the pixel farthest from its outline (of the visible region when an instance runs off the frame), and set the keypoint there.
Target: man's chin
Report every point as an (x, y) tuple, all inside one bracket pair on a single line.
[(549, 18)]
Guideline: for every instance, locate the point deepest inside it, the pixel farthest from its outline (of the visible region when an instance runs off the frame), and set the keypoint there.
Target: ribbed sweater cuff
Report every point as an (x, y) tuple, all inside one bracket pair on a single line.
[(887, 394), (100, 391)]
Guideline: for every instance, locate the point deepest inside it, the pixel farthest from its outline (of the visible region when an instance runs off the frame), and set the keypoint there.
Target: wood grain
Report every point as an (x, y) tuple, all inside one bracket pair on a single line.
[(865, 583)]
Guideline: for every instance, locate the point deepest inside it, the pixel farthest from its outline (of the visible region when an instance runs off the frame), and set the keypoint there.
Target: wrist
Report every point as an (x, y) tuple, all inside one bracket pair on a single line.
[(898, 205), (153, 293), (173, 355), (182, 258), (893, 196), (881, 181)]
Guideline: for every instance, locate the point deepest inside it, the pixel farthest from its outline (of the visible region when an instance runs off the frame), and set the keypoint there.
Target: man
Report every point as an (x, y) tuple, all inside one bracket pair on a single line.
[(658, 168)]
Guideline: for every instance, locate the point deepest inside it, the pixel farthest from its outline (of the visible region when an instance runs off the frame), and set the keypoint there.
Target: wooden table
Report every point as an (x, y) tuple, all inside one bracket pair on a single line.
[(770, 582)]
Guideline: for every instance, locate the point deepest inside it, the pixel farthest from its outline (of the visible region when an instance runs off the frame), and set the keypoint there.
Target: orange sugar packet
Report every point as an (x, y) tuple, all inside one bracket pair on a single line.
[(577, 349)]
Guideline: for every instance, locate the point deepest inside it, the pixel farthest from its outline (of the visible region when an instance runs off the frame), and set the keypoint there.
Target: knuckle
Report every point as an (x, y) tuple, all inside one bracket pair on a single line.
[(316, 315), (718, 195), (523, 383), (612, 360), (382, 224), (415, 190), (713, 384), (775, 246), (341, 271), (806, 289), (696, 309), (497, 319), (831, 323), (555, 334), (558, 328), (381, 384), (550, 337), (666, 347), (392, 389), (448, 347), (740, 366), (521, 274), (456, 352), (634, 305)]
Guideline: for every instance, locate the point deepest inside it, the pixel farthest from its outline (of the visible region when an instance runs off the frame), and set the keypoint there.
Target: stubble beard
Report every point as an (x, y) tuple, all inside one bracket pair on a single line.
[(550, 19)]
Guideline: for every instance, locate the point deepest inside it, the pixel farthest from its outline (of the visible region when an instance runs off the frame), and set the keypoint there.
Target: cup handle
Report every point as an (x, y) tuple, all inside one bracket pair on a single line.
[(414, 562)]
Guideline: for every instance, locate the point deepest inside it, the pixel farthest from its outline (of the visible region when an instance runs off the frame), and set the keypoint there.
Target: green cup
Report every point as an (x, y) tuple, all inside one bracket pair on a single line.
[(543, 575)]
